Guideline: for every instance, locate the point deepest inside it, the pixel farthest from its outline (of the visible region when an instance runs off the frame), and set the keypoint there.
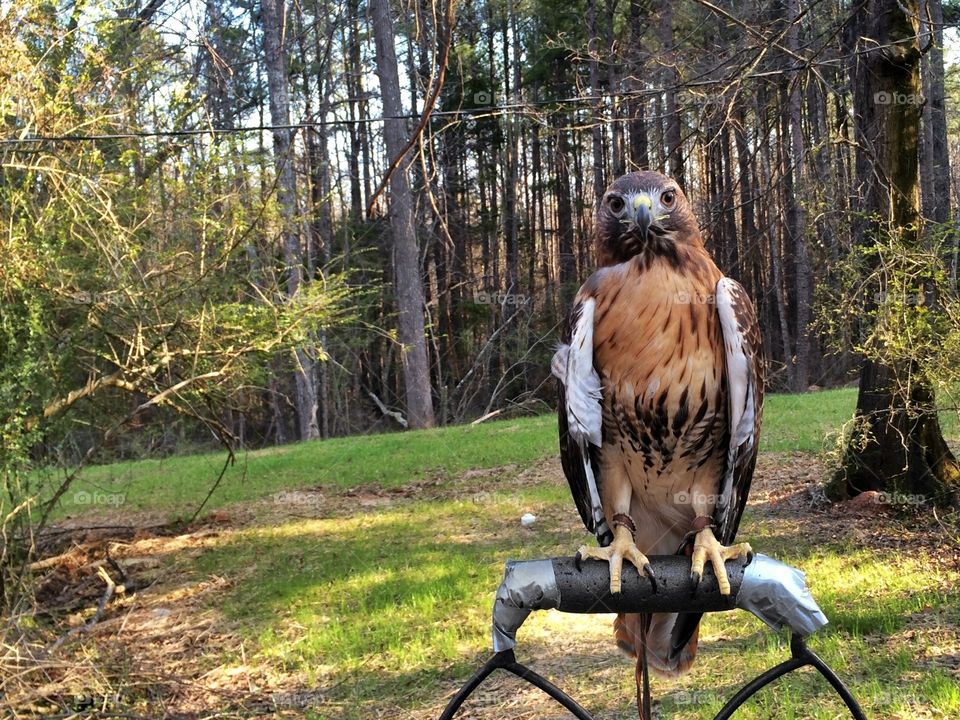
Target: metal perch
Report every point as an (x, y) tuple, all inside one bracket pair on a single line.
[(774, 592)]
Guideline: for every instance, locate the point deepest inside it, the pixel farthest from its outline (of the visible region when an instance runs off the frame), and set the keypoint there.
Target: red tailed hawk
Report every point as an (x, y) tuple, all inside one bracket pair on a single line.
[(661, 392)]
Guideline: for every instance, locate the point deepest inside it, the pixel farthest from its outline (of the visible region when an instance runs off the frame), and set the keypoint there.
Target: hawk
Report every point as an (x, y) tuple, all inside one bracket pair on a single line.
[(661, 392)]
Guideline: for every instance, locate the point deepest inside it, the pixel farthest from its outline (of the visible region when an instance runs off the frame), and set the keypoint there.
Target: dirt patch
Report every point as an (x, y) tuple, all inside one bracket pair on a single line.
[(788, 489), (156, 630)]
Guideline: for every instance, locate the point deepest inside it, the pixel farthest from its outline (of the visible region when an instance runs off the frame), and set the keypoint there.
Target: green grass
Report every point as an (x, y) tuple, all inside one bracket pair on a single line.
[(390, 609), (177, 485), (372, 597), (385, 607), (805, 422)]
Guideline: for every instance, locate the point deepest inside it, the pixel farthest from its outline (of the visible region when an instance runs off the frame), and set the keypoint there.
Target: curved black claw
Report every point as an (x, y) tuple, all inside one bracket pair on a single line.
[(695, 576), (653, 581), (577, 560)]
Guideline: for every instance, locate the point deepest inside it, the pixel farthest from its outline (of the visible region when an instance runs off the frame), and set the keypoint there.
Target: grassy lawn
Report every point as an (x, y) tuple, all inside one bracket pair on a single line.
[(354, 578), (394, 607), (177, 485)]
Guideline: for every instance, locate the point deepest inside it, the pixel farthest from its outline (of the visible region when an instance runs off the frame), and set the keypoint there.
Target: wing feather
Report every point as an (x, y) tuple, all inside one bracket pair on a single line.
[(580, 416), (743, 352)]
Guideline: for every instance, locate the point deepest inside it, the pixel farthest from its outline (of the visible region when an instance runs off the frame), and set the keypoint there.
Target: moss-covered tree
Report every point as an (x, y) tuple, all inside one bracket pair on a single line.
[(896, 443)]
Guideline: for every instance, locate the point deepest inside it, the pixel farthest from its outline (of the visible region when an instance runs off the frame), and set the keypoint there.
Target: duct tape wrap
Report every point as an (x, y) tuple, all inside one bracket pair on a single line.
[(774, 592), (527, 586), (778, 594)]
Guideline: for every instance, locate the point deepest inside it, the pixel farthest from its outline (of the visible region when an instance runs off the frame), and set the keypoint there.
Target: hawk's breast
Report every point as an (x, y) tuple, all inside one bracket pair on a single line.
[(659, 352)]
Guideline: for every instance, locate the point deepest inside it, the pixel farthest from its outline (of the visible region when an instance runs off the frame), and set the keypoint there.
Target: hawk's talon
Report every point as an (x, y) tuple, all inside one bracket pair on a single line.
[(649, 572), (578, 561), (706, 546), (622, 548)]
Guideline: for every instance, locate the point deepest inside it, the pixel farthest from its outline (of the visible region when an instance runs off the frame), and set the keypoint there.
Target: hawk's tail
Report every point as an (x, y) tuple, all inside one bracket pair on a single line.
[(630, 628)]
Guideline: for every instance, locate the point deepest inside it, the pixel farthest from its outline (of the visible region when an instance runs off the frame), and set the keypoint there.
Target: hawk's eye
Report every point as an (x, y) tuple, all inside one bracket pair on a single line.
[(616, 204), (668, 198)]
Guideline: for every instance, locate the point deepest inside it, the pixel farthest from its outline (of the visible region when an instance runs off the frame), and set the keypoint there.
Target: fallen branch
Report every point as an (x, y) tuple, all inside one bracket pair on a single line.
[(488, 416), (525, 405), (223, 471), (387, 411), (101, 606)]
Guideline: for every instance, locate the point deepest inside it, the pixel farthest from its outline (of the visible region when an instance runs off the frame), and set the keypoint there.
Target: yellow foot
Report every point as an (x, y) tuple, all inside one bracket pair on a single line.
[(706, 546), (622, 547)]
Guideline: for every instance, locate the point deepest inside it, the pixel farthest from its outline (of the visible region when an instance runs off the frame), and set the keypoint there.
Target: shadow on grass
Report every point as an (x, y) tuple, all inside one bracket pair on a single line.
[(407, 584)]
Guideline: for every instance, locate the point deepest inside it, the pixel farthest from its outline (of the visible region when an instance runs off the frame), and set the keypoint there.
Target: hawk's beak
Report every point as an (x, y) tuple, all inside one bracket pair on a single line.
[(642, 216)]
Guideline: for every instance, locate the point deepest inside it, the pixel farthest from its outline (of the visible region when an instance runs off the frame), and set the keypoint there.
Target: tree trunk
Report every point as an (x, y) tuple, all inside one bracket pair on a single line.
[(748, 226), (406, 254), (565, 236), (798, 226), (355, 129), (732, 259), (776, 264), (512, 88), (638, 18), (596, 132), (935, 170), (897, 444), (674, 135), (275, 59), (613, 87)]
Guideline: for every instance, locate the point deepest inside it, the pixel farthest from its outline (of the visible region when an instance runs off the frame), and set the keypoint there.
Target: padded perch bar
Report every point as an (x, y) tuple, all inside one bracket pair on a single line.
[(774, 592)]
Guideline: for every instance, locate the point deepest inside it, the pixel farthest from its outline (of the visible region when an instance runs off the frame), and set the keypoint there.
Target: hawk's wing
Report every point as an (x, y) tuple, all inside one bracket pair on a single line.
[(743, 352), (581, 416), (744, 368)]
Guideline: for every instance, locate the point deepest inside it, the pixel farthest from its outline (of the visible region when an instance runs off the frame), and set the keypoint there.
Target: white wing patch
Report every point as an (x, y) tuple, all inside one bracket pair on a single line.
[(573, 366), (741, 386)]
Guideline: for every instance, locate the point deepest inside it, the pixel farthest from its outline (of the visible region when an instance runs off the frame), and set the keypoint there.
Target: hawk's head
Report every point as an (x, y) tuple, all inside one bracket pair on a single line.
[(643, 212)]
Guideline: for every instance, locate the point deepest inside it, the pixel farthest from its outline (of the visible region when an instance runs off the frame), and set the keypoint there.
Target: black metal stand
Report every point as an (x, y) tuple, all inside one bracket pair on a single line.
[(801, 656), (506, 660)]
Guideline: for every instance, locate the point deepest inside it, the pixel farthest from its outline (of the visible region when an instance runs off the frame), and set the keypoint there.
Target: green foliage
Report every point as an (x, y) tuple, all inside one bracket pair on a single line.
[(951, 13), (135, 280), (895, 303)]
